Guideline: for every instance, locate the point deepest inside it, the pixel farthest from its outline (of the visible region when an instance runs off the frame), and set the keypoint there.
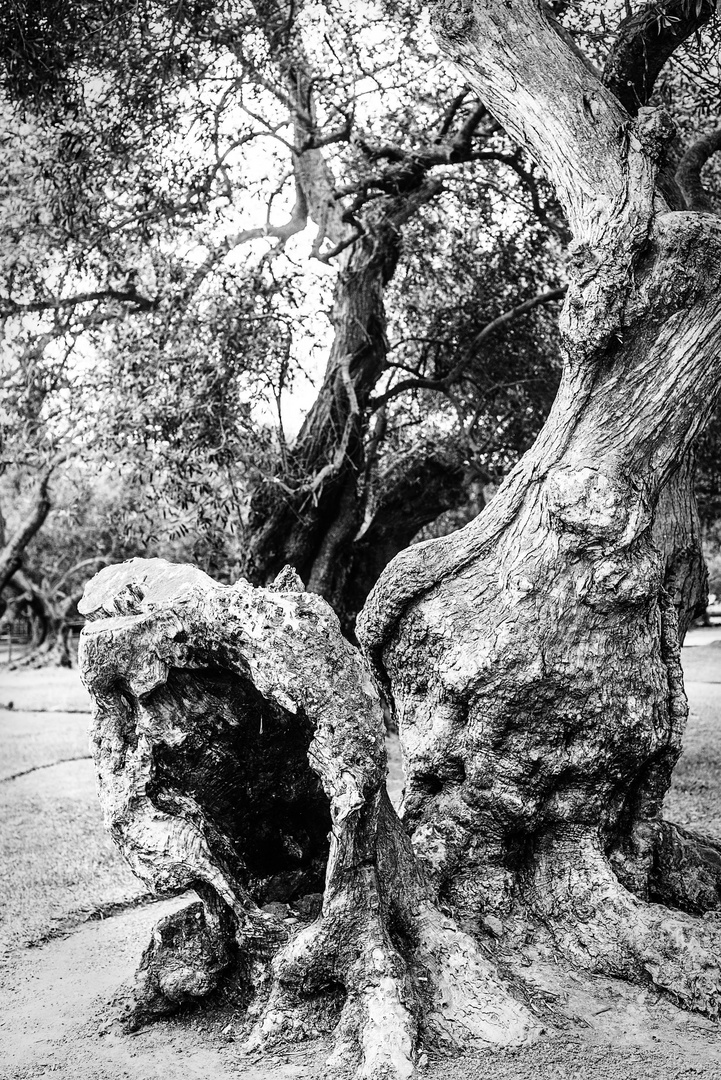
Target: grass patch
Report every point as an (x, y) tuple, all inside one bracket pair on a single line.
[(30, 739), (52, 689), (57, 857)]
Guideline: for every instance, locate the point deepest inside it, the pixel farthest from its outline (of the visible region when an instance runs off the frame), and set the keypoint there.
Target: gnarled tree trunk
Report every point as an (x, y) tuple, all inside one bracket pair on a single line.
[(534, 656), (533, 659), (239, 742)]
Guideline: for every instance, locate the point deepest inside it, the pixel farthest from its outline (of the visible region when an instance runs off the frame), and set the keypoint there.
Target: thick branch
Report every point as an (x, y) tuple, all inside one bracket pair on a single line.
[(74, 569), (128, 295), (688, 174), (457, 370), (277, 22), (319, 511), (646, 40), (549, 100)]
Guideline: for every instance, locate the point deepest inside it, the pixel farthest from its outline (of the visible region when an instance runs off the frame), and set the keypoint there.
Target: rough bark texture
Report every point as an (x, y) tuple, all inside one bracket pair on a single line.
[(239, 743), (644, 42), (676, 533), (533, 657)]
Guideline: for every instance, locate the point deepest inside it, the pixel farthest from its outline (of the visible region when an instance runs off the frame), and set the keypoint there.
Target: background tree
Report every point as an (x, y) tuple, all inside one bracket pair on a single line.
[(142, 199)]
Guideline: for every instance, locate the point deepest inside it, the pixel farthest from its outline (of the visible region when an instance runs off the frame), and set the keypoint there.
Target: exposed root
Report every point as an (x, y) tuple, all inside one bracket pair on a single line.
[(187, 955), (470, 1006), (686, 870), (443, 993), (379, 1021), (600, 926), (348, 947)]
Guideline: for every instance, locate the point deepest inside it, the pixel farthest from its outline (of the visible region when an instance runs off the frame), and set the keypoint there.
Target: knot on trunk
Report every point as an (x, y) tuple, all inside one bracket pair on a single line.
[(654, 129), (596, 506), (452, 20)]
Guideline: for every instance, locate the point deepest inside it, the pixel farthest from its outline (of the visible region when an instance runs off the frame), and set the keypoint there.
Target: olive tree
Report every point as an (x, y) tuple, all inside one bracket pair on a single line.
[(532, 659)]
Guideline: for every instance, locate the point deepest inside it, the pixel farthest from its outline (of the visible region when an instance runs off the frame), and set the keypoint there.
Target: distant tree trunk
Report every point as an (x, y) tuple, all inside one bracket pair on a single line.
[(50, 641), (53, 649), (12, 552), (412, 493), (311, 520)]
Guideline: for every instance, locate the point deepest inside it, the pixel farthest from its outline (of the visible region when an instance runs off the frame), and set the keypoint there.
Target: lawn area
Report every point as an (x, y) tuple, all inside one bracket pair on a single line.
[(47, 689), (59, 863), (62, 864), (695, 796), (32, 739)]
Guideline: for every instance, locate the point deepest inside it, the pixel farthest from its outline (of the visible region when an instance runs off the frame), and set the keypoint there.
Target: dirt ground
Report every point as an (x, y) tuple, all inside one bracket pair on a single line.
[(61, 978)]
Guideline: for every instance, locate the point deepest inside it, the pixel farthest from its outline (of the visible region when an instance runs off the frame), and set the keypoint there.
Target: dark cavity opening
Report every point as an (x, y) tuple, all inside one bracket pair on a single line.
[(401, 931), (242, 768), (428, 783)]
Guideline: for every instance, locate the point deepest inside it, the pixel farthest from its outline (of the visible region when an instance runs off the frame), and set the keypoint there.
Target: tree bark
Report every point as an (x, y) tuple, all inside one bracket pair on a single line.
[(677, 535), (413, 492), (239, 744)]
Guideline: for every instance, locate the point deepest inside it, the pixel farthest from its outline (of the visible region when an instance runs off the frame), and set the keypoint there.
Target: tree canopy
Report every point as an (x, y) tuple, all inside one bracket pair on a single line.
[(283, 269)]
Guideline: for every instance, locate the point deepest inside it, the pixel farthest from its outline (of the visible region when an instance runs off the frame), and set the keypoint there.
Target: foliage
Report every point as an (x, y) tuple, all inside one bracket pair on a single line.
[(181, 188)]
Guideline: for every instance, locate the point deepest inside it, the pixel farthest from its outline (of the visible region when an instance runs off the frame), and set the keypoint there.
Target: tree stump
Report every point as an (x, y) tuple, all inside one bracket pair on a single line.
[(239, 746)]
